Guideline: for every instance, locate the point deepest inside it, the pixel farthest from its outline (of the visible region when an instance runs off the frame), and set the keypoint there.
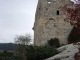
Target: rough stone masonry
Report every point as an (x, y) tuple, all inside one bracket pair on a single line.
[(52, 20)]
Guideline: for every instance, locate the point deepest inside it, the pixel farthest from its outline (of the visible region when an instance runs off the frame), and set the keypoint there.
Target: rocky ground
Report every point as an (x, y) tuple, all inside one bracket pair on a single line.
[(68, 52)]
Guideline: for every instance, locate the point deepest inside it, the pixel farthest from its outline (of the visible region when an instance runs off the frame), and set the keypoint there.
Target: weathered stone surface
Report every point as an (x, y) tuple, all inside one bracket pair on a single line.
[(68, 52), (49, 21)]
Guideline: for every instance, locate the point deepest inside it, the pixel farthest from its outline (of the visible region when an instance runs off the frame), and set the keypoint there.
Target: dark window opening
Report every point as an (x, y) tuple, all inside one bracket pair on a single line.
[(57, 12), (46, 9)]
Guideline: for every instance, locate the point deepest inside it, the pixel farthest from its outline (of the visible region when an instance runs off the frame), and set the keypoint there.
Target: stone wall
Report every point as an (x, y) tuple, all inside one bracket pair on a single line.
[(50, 23)]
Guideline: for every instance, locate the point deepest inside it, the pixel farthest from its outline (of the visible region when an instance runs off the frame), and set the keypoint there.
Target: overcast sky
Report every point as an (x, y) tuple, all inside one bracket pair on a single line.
[(16, 18)]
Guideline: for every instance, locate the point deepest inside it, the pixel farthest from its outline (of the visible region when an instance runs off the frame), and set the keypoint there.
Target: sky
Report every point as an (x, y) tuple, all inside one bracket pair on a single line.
[(16, 18)]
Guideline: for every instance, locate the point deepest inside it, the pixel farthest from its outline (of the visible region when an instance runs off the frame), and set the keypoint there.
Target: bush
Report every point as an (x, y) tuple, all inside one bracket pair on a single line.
[(54, 42), (74, 35), (16, 56), (5, 55), (40, 52)]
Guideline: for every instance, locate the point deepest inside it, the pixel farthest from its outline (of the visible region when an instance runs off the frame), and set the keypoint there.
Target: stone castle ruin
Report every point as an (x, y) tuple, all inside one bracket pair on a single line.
[(54, 18)]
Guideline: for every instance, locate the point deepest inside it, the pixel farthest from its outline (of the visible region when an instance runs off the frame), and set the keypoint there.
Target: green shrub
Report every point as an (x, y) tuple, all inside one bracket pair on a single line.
[(5, 55), (16, 56), (40, 52), (35, 53), (54, 42)]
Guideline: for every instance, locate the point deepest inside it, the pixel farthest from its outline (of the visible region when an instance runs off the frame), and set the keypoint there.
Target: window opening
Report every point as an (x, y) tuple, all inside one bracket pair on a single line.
[(57, 12), (46, 9)]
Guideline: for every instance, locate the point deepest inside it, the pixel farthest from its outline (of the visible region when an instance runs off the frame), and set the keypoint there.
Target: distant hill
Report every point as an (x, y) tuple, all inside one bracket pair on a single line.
[(7, 46)]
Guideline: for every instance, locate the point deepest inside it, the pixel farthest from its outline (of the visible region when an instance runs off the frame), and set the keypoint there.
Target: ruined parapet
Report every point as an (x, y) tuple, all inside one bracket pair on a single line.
[(50, 21)]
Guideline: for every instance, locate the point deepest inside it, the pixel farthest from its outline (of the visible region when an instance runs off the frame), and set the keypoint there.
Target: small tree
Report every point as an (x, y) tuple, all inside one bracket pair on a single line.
[(54, 42), (21, 42), (24, 40)]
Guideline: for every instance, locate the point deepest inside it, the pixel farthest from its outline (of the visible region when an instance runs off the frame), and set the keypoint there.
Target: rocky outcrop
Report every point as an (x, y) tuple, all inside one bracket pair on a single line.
[(68, 52)]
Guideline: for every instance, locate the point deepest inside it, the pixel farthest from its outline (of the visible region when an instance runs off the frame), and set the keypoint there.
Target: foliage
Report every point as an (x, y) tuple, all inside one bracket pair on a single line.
[(73, 14), (73, 18), (21, 42), (5, 55), (23, 39), (21, 49), (54, 42), (29, 52), (40, 52), (74, 36), (16, 56)]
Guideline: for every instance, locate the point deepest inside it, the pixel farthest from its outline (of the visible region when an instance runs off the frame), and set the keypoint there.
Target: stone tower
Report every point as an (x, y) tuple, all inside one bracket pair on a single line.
[(50, 21)]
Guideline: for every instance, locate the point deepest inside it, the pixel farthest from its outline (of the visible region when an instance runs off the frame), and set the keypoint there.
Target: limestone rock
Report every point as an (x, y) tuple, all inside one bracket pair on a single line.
[(68, 52)]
